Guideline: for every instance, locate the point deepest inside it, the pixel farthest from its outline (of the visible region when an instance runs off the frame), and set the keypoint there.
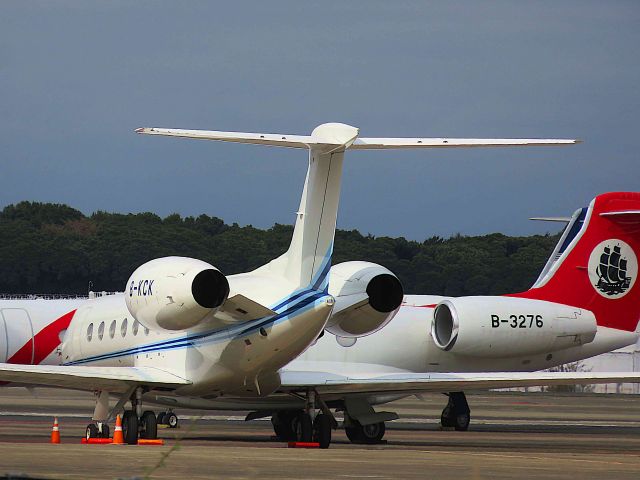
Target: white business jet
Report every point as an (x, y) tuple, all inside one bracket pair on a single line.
[(183, 330)]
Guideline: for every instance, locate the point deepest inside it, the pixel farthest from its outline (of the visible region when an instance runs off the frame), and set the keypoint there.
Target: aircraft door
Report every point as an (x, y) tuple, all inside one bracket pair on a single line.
[(19, 336), (3, 341)]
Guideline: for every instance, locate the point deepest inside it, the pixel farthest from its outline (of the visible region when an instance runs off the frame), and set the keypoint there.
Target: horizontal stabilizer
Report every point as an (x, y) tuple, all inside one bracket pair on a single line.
[(271, 139), (385, 143), (552, 219), (346, 137)]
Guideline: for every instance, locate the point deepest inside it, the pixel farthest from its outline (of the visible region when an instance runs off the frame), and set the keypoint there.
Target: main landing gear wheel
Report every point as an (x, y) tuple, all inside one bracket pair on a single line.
[(367, 434), (322, 430), (92, 431), (160, 418), (148, 425), (302, 427), (130, 427), (456, 414), (283, 425)]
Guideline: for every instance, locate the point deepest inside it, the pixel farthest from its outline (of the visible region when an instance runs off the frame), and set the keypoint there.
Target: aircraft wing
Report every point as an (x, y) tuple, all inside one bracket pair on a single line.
[(114, 379), (412, 383)]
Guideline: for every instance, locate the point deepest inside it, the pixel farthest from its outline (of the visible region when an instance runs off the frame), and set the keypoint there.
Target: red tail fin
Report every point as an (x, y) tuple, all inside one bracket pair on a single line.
[(595, 265)]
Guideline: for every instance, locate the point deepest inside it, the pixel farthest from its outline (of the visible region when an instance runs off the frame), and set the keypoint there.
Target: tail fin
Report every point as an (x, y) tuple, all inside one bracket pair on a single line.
[(595, 264), (307, 261)]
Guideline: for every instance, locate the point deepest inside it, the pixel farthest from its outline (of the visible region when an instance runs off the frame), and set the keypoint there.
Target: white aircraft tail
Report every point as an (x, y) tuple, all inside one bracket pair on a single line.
[(307, 262)]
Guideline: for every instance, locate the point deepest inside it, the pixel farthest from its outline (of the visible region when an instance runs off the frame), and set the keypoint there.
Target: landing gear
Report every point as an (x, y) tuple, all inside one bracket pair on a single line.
[(168, 418), (171, 419), (283, 425), (135, 422), (130, 427), (365, 434), (456, 414), (322, 430), (306, 425), (303, 427), (148, 425), (97, 430)]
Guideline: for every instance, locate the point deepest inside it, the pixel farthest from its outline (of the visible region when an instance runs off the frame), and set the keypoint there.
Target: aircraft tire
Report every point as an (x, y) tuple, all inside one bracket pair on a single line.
[(369, 434), (105, 431), (149, 425), (130, 427), (353, 434), (373, 433), (322, 430), (446, 419), (283, 425), (171, 419), (91, 431), (160, 418), (462, 421), (303, 427)]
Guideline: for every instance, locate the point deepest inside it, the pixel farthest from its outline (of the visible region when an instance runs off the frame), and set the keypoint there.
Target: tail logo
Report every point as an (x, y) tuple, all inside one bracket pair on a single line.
[(613, 268)]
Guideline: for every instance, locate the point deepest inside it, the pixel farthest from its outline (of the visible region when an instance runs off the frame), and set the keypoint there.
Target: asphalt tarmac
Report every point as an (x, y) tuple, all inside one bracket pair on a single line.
[(512, 435)]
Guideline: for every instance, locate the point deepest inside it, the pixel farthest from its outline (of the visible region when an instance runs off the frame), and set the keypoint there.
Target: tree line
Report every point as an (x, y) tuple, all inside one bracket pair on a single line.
[(54, 248)]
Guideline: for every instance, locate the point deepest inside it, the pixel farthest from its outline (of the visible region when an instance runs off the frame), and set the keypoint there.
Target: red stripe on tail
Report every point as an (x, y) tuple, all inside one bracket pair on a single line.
[(599, 272)]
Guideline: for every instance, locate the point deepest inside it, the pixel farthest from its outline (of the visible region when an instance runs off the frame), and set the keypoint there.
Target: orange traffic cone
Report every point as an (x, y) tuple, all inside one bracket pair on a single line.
[(55, 431), (118, 438)]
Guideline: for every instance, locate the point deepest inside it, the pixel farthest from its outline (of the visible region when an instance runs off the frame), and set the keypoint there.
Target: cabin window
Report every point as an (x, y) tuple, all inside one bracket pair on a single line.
[(123, 328), (134, 328), (89, 332), (112, 329), (101, 330)]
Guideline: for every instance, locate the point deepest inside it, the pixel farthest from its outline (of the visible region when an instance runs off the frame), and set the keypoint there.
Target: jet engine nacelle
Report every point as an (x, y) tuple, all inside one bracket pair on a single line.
[(175, 293), (507, 326), (367, 297)]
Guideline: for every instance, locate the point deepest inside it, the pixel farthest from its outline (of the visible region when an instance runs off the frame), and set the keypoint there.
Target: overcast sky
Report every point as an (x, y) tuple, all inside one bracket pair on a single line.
[(77, 77)]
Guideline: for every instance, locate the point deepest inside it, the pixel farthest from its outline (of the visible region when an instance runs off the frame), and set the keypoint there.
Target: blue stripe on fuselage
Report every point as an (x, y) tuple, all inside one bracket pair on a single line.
[(210, 336)]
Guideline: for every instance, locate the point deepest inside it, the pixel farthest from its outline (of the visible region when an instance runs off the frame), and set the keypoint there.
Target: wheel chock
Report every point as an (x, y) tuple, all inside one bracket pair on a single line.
[(304, 445), (150, 441), (96, 441)]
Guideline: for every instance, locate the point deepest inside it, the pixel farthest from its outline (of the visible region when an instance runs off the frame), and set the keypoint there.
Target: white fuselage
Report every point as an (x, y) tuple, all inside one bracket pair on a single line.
[(406, 344), (242, 363), (242, 359)]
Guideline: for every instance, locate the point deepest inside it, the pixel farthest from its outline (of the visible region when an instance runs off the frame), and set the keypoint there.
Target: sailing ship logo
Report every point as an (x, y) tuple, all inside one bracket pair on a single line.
[(613, 268)]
